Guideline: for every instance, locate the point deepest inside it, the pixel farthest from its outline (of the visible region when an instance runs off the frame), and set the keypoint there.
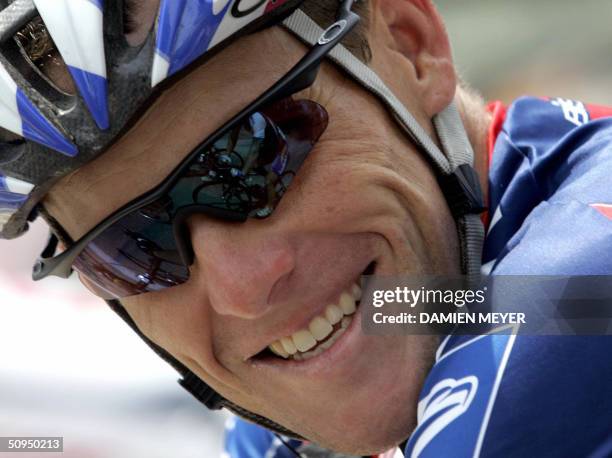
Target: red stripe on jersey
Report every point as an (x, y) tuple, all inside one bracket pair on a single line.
[(498, 110), (604, 209), (598, 111)]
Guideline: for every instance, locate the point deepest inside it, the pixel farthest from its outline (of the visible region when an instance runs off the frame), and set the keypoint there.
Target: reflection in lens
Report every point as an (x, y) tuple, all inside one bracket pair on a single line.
[(259, 159), (160, 211), (133, 256)]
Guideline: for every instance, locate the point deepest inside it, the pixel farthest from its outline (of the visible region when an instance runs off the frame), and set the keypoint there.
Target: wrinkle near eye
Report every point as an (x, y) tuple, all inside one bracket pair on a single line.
[(317, 93)]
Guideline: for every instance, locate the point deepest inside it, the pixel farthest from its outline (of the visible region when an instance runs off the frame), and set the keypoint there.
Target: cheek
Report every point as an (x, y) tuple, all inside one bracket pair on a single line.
[(341, 172), (354, 187), (360, 180), (173, 319), (180, 321), (180, 325)]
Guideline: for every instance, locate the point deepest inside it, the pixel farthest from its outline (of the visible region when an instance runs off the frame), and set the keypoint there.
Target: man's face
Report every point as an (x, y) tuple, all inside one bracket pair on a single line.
[(364, 197)]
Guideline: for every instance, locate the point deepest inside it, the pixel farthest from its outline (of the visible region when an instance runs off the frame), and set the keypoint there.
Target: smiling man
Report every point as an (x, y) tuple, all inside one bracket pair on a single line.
[(224, 180), (263, 292)]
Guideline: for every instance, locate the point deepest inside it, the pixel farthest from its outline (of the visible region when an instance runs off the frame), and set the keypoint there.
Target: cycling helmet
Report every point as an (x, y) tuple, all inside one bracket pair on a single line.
[(56, 133)]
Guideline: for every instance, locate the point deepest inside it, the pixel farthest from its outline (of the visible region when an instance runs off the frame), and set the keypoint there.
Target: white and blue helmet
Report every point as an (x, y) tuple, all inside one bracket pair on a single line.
[(57, 132)]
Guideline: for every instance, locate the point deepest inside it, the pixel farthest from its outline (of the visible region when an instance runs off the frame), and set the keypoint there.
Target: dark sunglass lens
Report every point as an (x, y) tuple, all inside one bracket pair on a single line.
[(133, 256), (159, 211), (248, 170)]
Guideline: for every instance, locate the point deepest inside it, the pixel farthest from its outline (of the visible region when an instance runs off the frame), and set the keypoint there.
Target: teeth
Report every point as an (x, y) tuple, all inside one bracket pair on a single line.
[(356, 291), (279, 350), (304, 340), (345, 322), (328, 343), (322, 347), (288, 345), (307, 343), (347, 303), (320, 328), (333, 313)]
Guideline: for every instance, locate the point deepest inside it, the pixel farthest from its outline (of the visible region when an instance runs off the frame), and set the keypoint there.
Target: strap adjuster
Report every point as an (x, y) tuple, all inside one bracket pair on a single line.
[(201, 391), (463, 192)]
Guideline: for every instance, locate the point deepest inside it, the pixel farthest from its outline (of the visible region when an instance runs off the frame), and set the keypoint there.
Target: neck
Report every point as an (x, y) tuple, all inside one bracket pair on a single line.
[(477, 121)]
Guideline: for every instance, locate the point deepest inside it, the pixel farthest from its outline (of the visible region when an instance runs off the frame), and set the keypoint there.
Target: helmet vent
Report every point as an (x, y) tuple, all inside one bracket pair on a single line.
[(38, 49), (35, 40)]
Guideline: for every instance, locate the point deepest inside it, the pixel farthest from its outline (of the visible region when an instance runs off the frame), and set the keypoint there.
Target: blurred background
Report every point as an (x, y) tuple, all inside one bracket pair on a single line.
[(69, 367), (556, 48)]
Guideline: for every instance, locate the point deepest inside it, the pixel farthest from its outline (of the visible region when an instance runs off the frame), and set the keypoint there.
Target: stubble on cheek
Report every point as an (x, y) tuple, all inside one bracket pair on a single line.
[(179, 322), (397, 417)]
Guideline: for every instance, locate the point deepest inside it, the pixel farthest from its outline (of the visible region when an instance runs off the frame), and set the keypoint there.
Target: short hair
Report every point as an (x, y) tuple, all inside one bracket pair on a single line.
[(323, 12)]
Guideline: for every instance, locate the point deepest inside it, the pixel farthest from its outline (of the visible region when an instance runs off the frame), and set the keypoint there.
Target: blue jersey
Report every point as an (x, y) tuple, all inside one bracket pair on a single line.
[(550, 200), (550, 185)]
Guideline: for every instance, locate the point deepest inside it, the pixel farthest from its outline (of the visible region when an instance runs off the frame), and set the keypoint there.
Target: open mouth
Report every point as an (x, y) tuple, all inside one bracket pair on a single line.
[(323, 330)]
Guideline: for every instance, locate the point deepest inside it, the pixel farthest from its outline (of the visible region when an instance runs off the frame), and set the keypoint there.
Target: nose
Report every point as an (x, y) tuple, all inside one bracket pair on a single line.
[(240, 264)]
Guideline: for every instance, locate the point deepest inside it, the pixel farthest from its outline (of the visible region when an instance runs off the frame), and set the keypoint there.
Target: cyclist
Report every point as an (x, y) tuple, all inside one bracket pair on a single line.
[(250, 294)]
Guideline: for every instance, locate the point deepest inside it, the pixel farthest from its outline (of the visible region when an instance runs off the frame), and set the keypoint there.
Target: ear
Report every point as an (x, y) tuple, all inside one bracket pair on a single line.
[(411, 42)]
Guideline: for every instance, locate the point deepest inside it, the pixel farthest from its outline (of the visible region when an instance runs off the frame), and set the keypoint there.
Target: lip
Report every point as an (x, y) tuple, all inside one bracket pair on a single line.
[(293, 324), (344, 349)]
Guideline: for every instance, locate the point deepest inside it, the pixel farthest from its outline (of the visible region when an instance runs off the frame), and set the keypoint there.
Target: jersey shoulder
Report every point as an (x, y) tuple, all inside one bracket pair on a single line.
[(548, 182)]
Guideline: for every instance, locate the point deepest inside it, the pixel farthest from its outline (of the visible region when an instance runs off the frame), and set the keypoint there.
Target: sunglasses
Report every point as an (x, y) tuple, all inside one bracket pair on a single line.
[(241, 171)]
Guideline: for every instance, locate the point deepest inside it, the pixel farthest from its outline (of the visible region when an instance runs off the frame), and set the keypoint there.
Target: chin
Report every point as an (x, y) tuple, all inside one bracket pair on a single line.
[(378, 409), (373, 434)]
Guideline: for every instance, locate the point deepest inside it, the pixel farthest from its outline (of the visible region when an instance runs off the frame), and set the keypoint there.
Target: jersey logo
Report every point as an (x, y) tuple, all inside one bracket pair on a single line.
[(239, 12), (459, 394), (573, 111), (446, 401)]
